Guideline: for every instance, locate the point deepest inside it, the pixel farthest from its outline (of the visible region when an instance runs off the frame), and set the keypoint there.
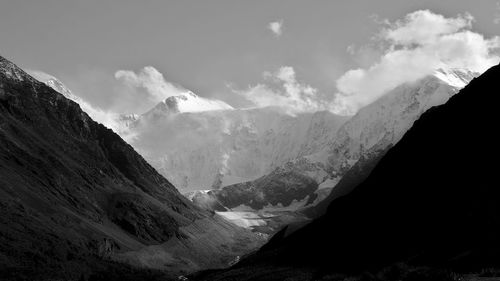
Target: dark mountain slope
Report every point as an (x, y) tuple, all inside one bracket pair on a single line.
[(74, 197), (433, 200), (352, 178)]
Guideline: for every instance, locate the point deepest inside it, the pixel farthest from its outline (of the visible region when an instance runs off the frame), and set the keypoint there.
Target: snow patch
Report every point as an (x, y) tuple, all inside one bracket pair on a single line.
[(244, 219), (329, 183)]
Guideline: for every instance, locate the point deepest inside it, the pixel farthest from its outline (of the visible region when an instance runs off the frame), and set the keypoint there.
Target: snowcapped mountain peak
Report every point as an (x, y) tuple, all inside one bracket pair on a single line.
[(55, 84), (190, 102), (456, 77)]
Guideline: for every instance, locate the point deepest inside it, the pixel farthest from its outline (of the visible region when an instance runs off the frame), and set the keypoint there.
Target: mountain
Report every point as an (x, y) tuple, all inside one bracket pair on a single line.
[(188, 102), (214, 148), (368, 135), (430, 206), (306, 180), (78, 202)]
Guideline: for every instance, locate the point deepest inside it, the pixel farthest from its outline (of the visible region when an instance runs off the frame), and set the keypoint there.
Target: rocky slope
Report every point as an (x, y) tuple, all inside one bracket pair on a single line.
[(431, 203), (79, 202)]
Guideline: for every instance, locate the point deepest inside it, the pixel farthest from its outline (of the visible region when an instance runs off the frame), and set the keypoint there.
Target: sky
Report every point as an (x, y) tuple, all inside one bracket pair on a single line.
[(124, 56)]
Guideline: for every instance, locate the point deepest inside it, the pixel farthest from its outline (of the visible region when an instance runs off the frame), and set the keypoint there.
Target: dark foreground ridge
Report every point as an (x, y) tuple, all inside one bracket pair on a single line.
[(62, 178), (432, 201), (79, 203)]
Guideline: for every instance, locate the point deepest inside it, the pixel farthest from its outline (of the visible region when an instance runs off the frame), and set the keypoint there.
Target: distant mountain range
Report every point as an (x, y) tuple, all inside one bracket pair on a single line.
[(217, 147), (309, 176)]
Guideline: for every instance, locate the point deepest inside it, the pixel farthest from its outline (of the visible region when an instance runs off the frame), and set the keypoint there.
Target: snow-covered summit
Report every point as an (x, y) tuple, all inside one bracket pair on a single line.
[(189, 102)]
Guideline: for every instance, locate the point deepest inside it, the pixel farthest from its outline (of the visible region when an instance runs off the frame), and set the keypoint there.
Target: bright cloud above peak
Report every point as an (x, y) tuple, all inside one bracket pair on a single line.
[(284, 91), (150, 79), (424, 26), (413, 48), (276, 27)]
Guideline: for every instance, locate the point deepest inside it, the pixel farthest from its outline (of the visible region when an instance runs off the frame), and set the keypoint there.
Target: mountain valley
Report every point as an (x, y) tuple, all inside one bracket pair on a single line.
[(81, 203)]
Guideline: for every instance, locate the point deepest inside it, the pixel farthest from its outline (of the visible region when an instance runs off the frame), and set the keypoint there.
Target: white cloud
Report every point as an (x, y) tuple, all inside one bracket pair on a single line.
[(276, 27), (413, 48), (284, 91), (151, 80)]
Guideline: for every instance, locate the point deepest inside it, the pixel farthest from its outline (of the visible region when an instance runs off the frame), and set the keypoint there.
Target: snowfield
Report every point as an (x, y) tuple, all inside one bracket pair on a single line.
[(245, 219)]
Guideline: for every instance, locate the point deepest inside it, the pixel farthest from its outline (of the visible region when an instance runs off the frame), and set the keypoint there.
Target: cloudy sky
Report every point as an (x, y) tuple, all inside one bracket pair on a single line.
[(125, 56)]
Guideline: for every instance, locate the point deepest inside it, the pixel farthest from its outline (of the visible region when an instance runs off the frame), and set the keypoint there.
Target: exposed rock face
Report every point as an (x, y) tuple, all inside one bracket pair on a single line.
[(75, 196), (276, 191), (431, 201)]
